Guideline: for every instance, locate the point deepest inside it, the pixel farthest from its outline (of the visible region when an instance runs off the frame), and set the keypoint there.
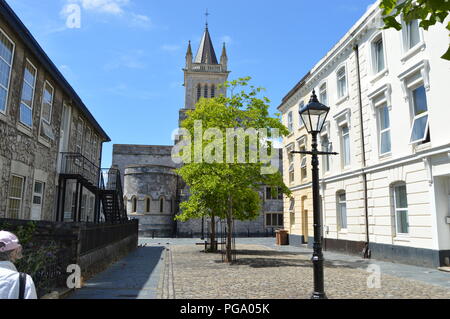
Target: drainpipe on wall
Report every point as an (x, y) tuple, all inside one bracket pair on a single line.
[(366, 252)]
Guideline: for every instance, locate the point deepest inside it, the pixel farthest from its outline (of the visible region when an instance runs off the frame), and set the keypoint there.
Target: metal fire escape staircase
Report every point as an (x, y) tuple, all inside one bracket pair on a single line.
[(111, 196)]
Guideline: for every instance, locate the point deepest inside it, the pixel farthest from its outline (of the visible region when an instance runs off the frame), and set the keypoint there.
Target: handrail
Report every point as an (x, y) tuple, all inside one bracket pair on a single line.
[(77, 164)]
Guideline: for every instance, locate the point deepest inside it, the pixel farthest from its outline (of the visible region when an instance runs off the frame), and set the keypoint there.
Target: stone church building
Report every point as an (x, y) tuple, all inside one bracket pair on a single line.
[(153, 191)]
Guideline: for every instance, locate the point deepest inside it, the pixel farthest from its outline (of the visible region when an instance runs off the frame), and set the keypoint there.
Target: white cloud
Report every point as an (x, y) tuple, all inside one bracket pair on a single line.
[(140, 20), (114, 7), (110, 7)]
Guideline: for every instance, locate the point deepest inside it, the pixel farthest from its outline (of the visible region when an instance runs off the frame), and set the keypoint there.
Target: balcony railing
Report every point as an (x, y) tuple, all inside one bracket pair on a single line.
[(77, 164), (207, 68)]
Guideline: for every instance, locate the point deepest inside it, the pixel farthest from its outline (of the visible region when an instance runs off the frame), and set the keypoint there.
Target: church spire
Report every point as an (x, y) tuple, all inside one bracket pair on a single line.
[(224, 57), (189, 56), (206, 53)]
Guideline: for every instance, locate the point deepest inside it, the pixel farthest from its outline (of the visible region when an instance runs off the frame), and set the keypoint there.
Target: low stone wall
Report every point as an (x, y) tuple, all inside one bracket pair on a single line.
[(116, 242), (96, 261)]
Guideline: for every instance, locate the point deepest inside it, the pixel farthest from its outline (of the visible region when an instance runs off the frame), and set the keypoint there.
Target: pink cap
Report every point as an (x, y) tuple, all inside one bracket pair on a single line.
[(8, 241)]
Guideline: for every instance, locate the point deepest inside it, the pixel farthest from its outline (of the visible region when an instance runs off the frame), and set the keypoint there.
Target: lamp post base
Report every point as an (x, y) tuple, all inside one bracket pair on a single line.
[(318, 295)]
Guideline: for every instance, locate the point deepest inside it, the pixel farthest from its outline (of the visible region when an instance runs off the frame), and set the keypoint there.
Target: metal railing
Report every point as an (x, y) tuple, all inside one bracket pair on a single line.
[(99, 236), (111, 180), (77, 164)]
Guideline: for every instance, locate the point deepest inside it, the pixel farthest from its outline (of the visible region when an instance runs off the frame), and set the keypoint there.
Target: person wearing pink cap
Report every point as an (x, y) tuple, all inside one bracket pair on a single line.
[(13, 285)]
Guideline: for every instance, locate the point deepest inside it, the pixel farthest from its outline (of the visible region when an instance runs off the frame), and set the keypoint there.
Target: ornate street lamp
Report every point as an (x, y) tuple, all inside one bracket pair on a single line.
[(313, 116)]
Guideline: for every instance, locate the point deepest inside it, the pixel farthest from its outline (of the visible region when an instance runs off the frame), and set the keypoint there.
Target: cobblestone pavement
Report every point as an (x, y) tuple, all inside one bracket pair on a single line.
[(262, 272)]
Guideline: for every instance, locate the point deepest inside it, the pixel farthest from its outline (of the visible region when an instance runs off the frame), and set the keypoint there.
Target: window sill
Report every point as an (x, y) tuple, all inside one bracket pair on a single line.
[(342, 99), (385, 156), (25, 129), (3, 116), (421, 147), (379, 75), (402, 237), (290, 134), (343, 231), (42, 141), (413, 51)]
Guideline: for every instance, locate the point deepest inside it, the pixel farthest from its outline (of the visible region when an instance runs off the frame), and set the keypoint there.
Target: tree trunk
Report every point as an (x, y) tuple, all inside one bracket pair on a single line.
[(229, 257), (213, 233)]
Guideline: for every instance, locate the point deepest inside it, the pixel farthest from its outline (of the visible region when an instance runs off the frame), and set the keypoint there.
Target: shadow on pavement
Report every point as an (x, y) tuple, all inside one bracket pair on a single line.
[(130, 278), (261, 261)]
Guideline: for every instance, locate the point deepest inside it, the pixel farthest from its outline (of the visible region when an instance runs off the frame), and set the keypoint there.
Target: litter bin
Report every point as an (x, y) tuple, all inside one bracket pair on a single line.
[(282, 238)]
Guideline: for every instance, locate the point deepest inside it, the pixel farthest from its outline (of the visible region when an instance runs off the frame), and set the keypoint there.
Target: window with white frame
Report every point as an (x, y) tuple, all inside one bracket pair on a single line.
[(384, 129), (79, 138), (420, 125), (94, 148), (301, 124), (378, 60), (345, 145), (411, 35), (341, 200), (342, 82), (47, 103), (290, 122), (400, 199), (274, 220), (303, 163), (326, 147), (15, 196), (290, 158), (46, 112), (88, 146), (28, 88), (323, 96), (6, 60)]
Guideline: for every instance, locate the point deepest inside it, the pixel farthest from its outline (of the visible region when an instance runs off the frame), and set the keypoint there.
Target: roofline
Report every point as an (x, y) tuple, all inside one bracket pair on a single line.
[(330, 55), (30, 42), (294, 90)]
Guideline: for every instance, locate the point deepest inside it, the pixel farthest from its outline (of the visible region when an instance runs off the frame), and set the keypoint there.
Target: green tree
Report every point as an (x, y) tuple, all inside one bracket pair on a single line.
[(224, 179), (428, 12)]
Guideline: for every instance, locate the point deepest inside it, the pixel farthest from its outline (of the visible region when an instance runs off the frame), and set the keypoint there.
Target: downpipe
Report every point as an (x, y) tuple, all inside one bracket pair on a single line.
[(366, 251)]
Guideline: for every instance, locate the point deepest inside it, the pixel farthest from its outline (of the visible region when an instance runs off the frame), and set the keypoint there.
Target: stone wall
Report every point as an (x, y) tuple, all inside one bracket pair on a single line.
[(69, 238)]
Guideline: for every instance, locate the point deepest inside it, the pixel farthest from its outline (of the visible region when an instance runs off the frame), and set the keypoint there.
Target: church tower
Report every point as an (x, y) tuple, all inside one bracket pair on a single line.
[(203, 74)]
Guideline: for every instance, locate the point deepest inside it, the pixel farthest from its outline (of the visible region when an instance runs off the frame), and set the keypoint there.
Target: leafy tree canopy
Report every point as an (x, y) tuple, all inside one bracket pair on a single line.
[(428, 12), (215, 185)]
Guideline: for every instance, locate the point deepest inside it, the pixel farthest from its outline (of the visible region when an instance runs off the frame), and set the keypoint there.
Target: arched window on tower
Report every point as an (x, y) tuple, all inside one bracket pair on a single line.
[(199, 92), (161, 205), (206, 92), (147, 204), (213, 91), (134, 205)]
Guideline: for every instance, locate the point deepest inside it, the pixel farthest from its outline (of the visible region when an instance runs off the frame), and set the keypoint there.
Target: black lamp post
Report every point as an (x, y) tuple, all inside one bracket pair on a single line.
[(314, 115)]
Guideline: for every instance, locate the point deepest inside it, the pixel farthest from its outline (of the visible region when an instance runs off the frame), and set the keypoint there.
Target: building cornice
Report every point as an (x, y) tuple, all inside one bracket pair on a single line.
[(345, 45)]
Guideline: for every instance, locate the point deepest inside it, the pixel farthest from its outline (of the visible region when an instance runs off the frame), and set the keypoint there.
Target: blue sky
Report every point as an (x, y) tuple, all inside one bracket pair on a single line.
[(126, 59)]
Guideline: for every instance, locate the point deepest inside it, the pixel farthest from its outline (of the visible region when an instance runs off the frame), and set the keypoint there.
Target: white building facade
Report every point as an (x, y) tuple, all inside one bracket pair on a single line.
[(387, 193)]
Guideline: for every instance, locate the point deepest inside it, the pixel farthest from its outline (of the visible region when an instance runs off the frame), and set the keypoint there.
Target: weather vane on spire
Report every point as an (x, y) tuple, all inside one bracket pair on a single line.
[(206, 15)]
